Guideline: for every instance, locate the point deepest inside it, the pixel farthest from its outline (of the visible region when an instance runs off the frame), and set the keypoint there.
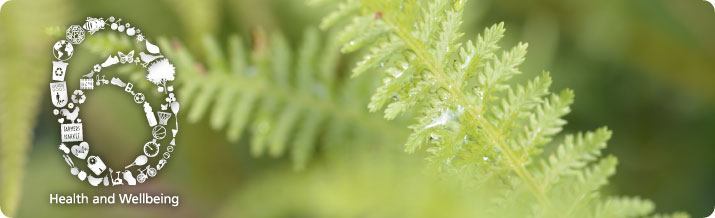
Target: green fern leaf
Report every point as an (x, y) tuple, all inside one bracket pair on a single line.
[(575, 152), (287, 103), (471, 121), (624, 207)]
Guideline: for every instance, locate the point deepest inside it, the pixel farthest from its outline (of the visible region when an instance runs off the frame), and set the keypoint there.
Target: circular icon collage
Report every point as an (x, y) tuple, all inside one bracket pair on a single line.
[(157, 151)]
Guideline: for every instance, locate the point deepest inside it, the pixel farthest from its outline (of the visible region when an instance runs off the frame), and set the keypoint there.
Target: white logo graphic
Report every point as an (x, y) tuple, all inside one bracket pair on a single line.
[(712, 2), (2, 215), (2, 2), (160, 73), (712, 215)]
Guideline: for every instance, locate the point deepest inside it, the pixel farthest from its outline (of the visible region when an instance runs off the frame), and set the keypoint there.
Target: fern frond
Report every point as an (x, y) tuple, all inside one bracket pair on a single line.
[(589, 181), (377, 56), (287, 101), (519, 101), (470, 118), (543, 124), (624, 207), (574, 153)]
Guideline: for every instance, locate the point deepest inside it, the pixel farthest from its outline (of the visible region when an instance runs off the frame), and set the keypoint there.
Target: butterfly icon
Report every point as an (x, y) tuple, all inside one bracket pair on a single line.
[(126, 58)]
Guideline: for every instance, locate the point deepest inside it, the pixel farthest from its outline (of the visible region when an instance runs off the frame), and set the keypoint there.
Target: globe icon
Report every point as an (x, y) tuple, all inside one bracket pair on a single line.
[(62, 50)]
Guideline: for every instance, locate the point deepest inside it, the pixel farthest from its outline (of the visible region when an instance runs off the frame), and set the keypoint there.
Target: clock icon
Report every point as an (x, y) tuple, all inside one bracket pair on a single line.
[(151, 149)]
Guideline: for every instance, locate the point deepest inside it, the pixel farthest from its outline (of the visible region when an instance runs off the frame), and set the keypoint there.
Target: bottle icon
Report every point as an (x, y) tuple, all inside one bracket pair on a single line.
[(149, 114)]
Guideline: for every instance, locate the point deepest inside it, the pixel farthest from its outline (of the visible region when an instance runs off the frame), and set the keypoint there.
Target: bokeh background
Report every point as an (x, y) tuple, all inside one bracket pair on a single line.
[(644, 68)]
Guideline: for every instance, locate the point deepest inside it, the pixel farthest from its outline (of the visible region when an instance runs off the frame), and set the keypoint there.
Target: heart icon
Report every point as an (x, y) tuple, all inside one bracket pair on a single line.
[(80, 151), (61, 120)]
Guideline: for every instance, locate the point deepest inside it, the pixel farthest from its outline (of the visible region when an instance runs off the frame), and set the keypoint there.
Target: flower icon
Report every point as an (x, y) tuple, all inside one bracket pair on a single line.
[(171, 98)]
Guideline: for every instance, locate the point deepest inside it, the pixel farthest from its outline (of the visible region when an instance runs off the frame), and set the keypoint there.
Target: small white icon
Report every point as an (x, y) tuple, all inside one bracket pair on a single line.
[(59, 68), (161, 164), (139, 98), (168, 89), (118, 82), (151, 171), (123, 27), (126, 58), (71, 132), (171, 97), (93, 25), (62, 50), (64, 148), (71, 116), (115, 180), (58, 94), (141, 177), (158, 132), (82, 175), (96, 164), (139, 161), (151, 148), (111, 60), (101, 81), (149, 114), (86, 84), (151, 48), (80, 151), (129, 178), (163, 117), (94, 181), (78, 97), (129, 88), (75, 34), (73, 170), (131, 31), (174, 107), (160, 72)]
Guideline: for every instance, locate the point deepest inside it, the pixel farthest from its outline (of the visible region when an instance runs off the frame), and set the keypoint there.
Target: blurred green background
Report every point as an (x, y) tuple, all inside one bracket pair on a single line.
[(644, 68)]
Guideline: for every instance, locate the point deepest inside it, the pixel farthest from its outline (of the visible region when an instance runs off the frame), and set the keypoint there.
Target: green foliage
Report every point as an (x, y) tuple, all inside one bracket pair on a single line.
[(287, 101), (360, 186), (474, 124), (23, 77)]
